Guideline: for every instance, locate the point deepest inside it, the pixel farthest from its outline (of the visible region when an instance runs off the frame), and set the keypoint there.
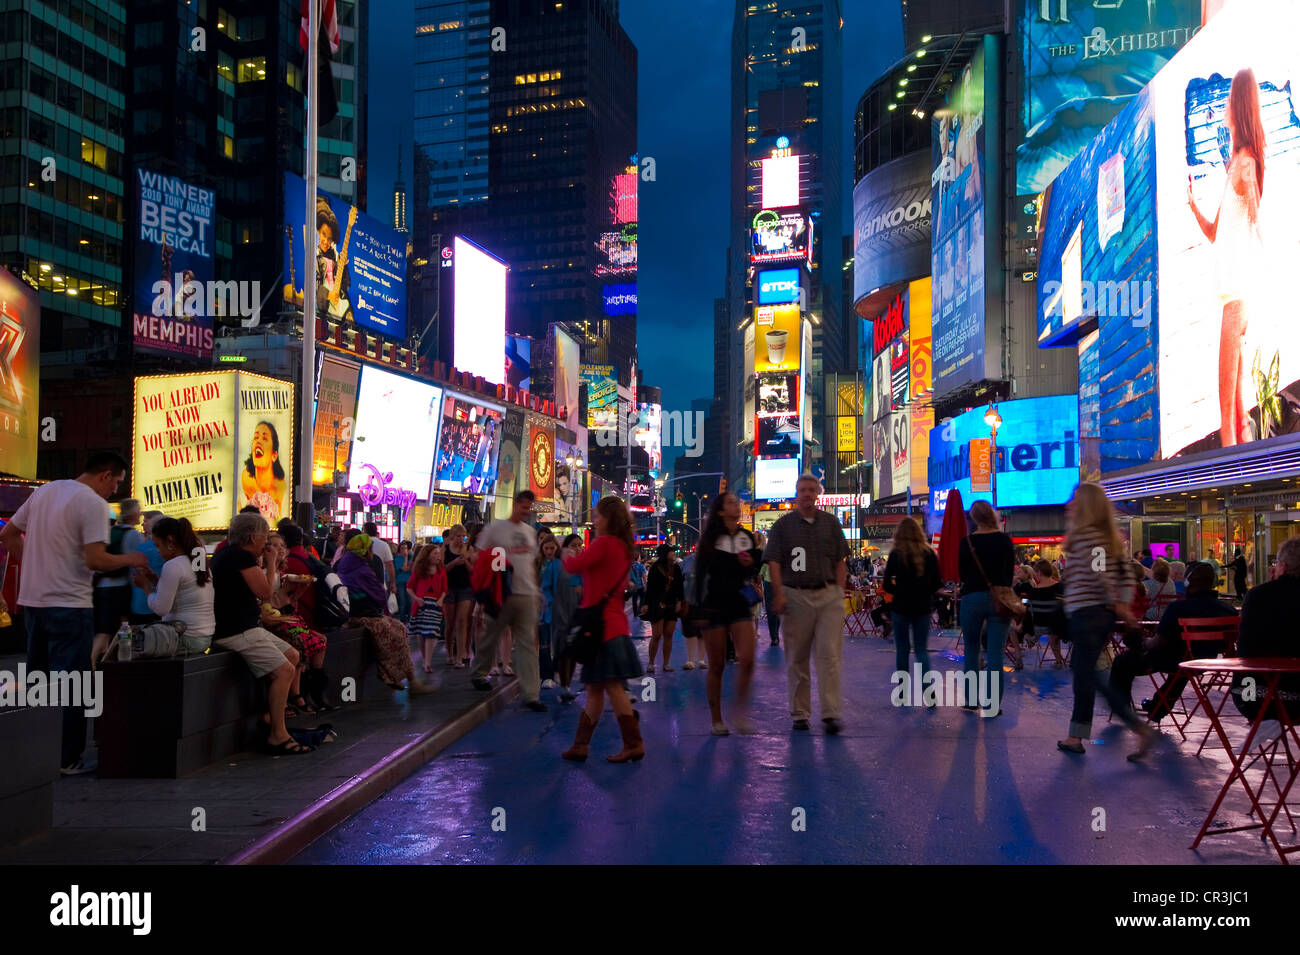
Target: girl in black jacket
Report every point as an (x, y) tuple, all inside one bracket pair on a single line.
[(664, 603), (912, 576), (727, 565)]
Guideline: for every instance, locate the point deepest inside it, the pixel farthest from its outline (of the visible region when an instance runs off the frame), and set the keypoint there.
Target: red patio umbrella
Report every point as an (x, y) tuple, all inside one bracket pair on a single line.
[(951, 533)]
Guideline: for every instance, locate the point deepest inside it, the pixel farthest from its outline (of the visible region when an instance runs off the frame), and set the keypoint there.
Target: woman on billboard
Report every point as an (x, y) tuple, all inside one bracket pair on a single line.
[(262, 482), (1238, 244)]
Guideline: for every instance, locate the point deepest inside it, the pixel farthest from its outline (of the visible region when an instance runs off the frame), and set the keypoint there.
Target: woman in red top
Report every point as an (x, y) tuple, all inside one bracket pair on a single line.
[(604, 567), (427, 587)]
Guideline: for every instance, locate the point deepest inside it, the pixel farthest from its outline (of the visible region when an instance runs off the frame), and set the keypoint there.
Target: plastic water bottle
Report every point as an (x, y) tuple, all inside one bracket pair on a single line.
[(124, 642)]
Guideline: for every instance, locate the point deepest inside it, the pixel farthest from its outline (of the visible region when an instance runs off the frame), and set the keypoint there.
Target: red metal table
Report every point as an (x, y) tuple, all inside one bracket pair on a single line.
[(1204, 674)]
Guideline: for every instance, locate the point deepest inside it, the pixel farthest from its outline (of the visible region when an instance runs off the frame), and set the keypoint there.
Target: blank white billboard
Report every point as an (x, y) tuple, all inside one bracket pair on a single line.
[(479, 312)]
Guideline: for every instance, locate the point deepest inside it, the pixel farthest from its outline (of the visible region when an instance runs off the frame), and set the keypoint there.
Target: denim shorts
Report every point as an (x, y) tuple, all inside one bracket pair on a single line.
[(459, 594)]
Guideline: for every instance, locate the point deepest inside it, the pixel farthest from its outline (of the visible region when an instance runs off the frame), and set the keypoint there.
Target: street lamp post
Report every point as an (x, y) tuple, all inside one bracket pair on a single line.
[(576, 467), (994, 421)]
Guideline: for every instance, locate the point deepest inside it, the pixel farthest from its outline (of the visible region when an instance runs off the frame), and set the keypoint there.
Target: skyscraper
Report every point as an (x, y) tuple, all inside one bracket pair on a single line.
[(65, 176), (452, 44), (561, 106), (786, 82)]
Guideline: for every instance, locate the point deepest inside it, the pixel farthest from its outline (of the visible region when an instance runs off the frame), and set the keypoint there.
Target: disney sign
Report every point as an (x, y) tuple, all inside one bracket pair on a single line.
[(377, 492)]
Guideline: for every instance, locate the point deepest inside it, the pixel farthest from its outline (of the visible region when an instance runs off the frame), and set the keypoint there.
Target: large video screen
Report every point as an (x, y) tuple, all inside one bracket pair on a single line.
[(360, 271), (1037, 452), (775, 479), (962, 193), (395, 433), (781, 236), (20, 380), (1172, 236), (469, 446), (1228, 214), (649, 434), (479, 311)]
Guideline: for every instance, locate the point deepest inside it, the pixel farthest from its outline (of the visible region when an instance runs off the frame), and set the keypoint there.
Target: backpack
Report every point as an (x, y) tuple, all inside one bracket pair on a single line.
[(491, 587), (333, 606)]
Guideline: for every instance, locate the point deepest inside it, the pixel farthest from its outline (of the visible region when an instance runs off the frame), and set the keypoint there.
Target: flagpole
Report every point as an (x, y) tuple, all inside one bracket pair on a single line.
[(308, 389)]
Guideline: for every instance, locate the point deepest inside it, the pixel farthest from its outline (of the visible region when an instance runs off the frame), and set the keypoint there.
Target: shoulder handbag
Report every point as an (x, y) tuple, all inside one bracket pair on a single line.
[(588, 631), (1005, 601)]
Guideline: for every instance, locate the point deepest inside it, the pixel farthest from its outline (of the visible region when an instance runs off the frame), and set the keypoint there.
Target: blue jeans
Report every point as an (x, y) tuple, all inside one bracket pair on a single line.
[(1090, 629), (59, 640), (919, 629), (977, 611)]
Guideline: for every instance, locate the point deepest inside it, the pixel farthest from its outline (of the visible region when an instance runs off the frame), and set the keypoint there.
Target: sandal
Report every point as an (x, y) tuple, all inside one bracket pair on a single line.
[(290, 747), (298, 706), (1064, 747)]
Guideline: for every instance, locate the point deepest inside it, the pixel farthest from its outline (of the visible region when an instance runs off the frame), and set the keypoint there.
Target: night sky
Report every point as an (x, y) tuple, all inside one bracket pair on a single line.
[(682, 120)]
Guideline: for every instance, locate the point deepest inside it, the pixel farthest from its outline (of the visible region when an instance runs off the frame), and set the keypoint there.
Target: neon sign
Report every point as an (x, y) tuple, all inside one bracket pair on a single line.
[(377, 492)]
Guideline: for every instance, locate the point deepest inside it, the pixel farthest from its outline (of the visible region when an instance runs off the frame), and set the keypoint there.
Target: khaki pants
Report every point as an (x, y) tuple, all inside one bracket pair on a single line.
[(814, 622), (520, 615)]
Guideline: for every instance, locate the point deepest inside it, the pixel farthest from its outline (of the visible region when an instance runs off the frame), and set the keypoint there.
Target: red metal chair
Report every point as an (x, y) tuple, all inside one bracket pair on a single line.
[(1197, 634)]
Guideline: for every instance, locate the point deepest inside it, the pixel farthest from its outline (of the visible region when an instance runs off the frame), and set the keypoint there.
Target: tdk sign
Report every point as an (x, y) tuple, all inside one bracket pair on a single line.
[(778, 286)]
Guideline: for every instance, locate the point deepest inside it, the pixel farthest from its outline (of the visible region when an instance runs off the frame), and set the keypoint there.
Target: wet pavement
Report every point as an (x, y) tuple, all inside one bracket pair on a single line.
[(899, 785)]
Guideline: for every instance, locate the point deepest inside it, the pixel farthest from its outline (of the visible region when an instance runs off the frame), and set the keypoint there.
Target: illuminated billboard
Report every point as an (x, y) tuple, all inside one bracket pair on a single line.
[(20, 366), (964, 268), (649, 434), (619, 299), (777, 286), (891, 224), (617, 251), (1081, 64), (781, 236), (777, 341), (565, 378), (1166, 239), (1037, 453), (775, 478), (206, 444), (623, 195), (780, 182), (334, 418), (469, 446), (602, 396), (395, 433), (479, 311), (778, 395), (360, 271), (174, 295), (519, 360)]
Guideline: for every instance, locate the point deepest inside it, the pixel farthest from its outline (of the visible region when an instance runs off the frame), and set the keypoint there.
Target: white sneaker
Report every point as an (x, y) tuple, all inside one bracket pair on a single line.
[(548, 684), (688, 665), (704, 664), (495, 671)]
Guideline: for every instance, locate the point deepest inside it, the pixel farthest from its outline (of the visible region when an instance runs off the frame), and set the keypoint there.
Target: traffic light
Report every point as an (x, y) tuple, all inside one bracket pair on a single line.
[(722, 486), (679, 501)]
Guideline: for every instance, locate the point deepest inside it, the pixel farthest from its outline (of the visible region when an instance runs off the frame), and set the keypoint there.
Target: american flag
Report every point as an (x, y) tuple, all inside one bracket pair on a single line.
[(330, 20)]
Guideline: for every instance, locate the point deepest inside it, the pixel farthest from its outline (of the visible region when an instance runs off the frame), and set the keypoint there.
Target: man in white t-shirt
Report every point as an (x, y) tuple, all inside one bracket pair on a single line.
[(517, 542), (380, 548), (60, 537)]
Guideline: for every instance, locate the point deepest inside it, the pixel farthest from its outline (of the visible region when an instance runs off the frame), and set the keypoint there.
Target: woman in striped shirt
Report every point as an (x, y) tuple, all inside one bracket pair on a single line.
[(1097, 594)]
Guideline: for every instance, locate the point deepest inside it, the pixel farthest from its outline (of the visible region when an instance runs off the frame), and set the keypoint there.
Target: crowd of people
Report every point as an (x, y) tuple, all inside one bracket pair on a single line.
[(511, 599)]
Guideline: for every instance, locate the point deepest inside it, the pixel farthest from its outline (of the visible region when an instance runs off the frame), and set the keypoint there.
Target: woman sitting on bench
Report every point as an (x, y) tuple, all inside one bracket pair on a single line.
[(369, 606)]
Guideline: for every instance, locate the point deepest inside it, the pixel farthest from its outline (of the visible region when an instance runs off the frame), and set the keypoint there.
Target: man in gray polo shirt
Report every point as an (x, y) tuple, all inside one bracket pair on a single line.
[(806, 554)]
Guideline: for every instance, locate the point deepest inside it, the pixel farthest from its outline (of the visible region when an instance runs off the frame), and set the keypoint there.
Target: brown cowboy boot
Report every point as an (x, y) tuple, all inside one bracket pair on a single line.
[(581, 740), (633, 749)]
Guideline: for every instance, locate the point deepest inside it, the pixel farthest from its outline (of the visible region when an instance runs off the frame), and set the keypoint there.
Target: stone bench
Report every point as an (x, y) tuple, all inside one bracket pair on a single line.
[(30, 738), (167, 717)]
